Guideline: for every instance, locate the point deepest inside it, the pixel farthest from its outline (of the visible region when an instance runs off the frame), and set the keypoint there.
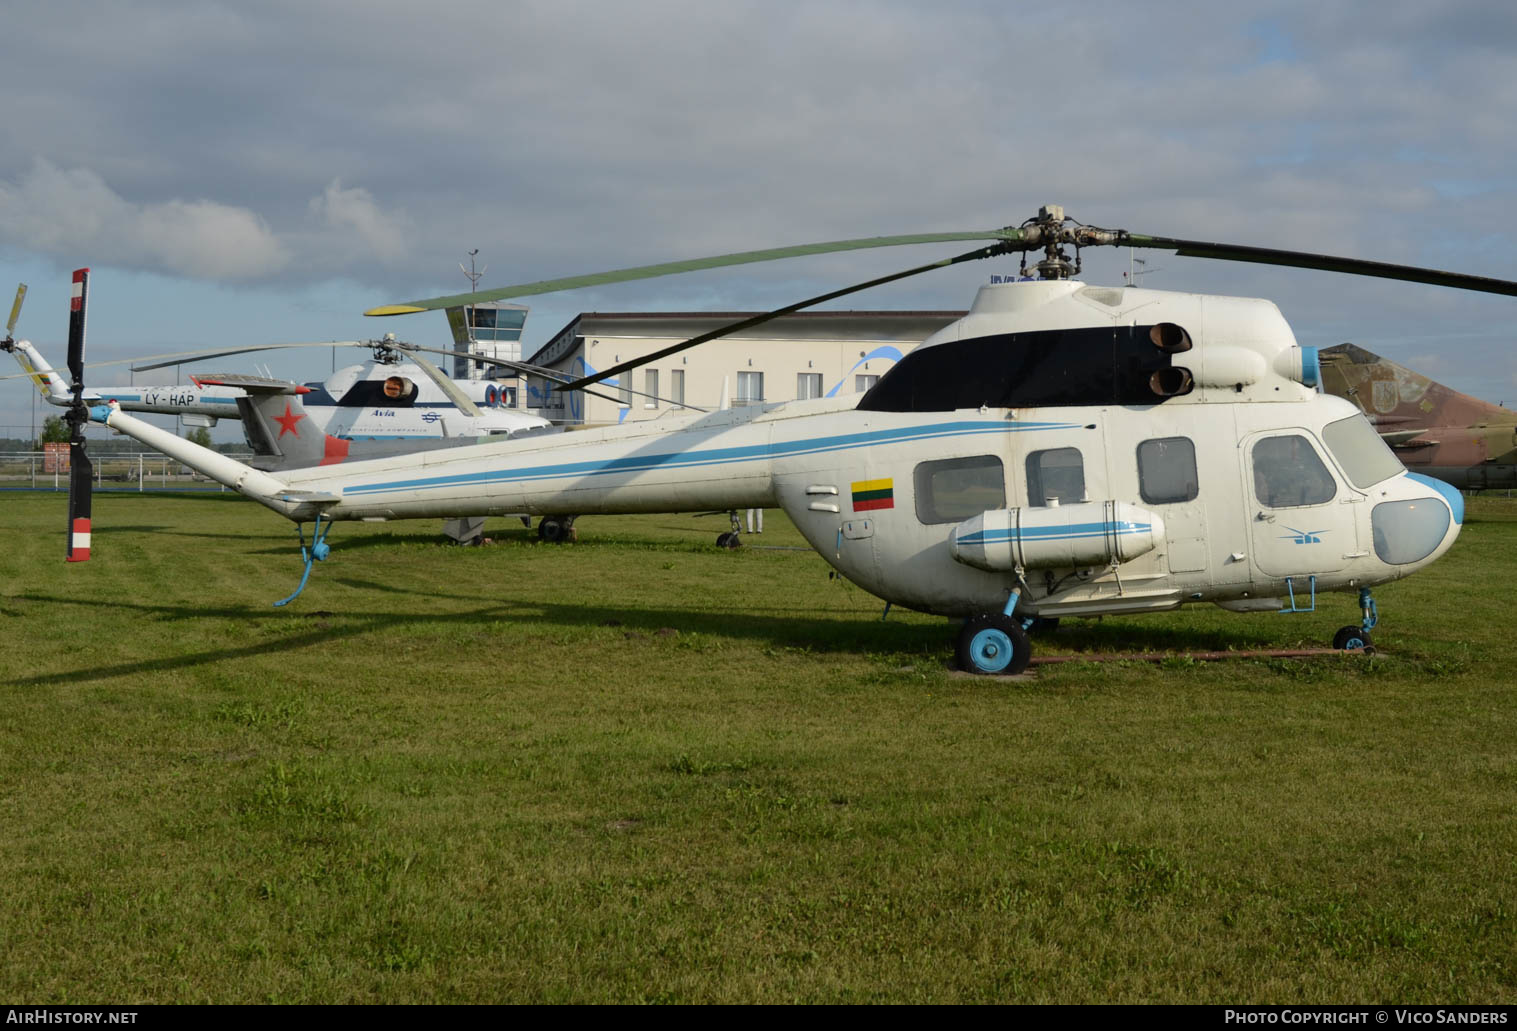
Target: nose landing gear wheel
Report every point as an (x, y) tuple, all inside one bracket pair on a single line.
[(993, 645), (1353, 637)]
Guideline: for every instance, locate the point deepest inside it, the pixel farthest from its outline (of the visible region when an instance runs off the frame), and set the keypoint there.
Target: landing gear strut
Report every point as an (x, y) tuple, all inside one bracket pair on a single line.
[(731, 539), (1351, 637)]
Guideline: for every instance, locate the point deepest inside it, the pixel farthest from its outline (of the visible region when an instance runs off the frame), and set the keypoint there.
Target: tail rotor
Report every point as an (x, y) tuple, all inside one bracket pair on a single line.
[(81, 471)]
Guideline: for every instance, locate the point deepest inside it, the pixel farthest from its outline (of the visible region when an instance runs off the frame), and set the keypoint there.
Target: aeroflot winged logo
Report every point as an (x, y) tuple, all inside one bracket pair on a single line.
[(872, 495)]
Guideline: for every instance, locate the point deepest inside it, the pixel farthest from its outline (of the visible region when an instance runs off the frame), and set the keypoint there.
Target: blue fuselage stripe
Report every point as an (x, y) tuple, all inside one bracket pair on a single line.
[(708, 457), (1077, 531)]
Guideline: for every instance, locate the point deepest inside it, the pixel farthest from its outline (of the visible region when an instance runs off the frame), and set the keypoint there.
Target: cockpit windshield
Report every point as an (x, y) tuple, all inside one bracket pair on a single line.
[(1365, 458)]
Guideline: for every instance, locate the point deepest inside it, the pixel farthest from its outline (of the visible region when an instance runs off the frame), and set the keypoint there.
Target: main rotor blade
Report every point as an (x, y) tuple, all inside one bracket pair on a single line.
[(758, 320), (182, 357), (546, 286), (1322, 262)]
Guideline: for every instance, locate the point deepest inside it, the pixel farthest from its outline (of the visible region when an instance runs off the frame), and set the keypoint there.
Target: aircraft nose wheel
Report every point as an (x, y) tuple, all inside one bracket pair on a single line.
[(1350, 637), (994, 645)]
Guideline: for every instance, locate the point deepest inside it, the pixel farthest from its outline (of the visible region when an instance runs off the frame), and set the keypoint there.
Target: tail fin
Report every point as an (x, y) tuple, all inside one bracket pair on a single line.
[(47, 381), (53, 389), (283, 436), (276, 425), (1396, 399)]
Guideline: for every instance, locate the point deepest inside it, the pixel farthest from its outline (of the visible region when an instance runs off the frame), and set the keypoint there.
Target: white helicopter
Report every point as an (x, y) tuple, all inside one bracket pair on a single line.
[(1063, 449), (397, 395)]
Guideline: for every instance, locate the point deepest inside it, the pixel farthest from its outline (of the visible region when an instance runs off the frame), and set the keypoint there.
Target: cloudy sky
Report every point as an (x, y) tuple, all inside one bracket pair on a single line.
[(250, 173)]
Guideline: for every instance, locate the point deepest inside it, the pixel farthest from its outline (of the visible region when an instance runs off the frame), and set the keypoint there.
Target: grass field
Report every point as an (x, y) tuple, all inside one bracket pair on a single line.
[(641, 769)]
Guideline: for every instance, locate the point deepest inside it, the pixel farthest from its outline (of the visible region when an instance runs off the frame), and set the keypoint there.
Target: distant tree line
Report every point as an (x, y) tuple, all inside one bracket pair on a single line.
[(55, 431)]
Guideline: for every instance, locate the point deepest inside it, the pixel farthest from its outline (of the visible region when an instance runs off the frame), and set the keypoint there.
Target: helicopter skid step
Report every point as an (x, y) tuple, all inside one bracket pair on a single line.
[(1286, 653), (1108, 600), (1282, 653)]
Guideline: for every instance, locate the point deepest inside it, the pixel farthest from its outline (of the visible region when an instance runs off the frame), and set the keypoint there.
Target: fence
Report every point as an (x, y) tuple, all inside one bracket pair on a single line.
[(145, 471)]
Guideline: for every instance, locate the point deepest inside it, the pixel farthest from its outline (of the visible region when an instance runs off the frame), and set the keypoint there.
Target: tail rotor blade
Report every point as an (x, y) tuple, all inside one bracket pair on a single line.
[(10, 327), (81, 471)]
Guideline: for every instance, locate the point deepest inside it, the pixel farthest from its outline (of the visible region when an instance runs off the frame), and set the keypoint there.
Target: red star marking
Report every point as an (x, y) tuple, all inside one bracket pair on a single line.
[(287, 421)]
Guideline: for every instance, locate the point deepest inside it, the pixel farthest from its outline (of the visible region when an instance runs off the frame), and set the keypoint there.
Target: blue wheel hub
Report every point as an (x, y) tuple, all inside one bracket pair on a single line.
[(991, 650)]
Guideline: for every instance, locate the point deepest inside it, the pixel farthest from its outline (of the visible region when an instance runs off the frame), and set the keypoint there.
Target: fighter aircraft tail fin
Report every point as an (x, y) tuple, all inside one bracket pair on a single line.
[(1401, 403)]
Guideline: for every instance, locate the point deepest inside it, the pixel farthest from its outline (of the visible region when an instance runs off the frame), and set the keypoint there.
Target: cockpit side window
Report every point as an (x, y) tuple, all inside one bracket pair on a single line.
[(954, 489), (1056, 475), (1167, 470), (1289, 474)]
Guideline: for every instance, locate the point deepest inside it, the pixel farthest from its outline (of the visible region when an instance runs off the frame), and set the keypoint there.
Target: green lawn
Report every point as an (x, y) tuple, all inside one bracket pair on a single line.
[(638, 768)]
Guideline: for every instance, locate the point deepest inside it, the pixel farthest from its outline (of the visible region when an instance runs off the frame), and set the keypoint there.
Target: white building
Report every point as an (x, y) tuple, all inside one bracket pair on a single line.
[(808, 354)]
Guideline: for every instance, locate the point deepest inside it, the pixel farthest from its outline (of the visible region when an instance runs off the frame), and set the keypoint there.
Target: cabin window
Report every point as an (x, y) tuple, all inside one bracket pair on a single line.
[(1289, 474), (750, 389), (1365, 457), (1167, 470), (952, 490), (1055, 476)]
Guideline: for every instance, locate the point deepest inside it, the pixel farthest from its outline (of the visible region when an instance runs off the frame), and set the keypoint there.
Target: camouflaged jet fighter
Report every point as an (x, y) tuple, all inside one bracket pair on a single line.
[(1434, 430)]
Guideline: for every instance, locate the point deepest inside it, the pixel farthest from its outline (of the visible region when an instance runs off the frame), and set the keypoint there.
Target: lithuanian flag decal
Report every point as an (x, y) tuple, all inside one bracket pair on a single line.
[(872, 495)]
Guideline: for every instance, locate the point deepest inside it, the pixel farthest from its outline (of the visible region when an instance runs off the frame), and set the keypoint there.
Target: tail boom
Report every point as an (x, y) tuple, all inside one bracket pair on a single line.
[(226, 471)]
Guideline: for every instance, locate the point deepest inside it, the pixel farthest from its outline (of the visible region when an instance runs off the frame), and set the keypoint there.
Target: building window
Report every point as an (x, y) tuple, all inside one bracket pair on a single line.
[(624, 391), (954, 489), (1288, 473), (1167, 470), (808, 385), (750, 388), (862, 383), (650, 387), (1056, 475), (677, 386)]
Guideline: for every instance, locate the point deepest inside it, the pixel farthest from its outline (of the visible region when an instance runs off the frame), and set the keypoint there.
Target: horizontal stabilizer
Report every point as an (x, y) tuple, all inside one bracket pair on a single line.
[(307, 497), (251, 384)]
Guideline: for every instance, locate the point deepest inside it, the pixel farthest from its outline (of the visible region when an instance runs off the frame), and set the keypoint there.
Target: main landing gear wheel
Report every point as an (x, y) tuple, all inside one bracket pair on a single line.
[(993, 645), (1353, 637), (555, 529), (729, 540)]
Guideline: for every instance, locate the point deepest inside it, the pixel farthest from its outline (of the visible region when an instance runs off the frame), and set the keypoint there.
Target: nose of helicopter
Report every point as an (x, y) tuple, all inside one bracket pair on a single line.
[(1421, 525), (1447, 492)]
